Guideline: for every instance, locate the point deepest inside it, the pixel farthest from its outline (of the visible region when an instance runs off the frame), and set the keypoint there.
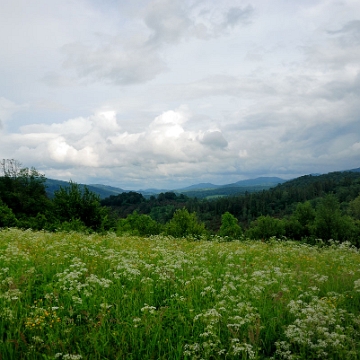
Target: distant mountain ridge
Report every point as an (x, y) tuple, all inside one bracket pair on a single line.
[(208, 190), (260, 181), (199, 186), (355, 170), (201, 190), (103, 191)]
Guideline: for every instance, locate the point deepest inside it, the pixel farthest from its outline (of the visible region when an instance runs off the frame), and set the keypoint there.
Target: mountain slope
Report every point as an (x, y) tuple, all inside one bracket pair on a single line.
[(103, 191), (261, 181), (201, 186)]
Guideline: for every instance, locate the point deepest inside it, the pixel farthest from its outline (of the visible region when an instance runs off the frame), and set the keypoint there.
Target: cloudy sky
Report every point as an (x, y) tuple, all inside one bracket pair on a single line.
[(168, 93)]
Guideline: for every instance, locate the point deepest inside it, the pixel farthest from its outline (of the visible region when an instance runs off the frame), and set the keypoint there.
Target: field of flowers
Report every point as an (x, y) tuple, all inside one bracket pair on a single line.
[(74, 296)]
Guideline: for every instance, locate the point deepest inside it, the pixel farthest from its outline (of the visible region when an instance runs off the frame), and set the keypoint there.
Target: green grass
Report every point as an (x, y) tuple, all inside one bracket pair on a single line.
[(74, 296)]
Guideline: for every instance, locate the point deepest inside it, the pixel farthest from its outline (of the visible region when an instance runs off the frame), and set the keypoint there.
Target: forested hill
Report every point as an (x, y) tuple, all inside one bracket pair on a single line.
[(345, 185), (210, 191), (278, 201), (102, 190), (307, 208), (283, 199)]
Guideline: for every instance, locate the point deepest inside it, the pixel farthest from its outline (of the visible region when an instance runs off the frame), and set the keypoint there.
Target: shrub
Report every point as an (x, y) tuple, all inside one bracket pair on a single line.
[(264, 227), (139, 224), (7, 217), (72, 204), (329, 223), (230, 227), (184, 224)]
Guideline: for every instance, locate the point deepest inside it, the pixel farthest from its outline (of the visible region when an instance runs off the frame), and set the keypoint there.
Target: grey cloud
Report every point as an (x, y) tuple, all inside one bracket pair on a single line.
[(168, 20), (113, 64), (174, 20), (122, 61), (341, 49), (350, 27), (340, 89), (237, 15), (349, 34), (214, 139), (220, 85)]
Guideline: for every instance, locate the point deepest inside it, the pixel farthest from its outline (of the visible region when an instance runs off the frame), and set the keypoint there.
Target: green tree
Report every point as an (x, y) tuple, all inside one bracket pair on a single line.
[(72, 204), (304, 215), (329, 223), (293, 229), (139, 224), (265, 227), (7, 217), (354, 208), (230, 227), (23, 190), (184, 224)]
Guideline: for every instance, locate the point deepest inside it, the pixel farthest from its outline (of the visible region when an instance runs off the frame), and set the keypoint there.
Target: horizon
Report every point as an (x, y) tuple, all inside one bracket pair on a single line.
[(170, 93), (197, 183)]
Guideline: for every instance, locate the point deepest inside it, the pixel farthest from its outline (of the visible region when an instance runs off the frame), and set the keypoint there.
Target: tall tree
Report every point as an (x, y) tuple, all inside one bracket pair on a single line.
[(230, 227), (72, 203), (184, 224), (329, 223), (23, 189)]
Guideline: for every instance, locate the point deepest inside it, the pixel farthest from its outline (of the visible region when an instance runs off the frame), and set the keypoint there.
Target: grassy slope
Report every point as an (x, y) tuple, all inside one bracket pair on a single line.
[(71, 296)]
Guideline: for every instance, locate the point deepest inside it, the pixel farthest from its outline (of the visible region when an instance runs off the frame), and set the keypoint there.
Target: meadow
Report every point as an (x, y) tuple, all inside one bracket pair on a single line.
[(76, 296)]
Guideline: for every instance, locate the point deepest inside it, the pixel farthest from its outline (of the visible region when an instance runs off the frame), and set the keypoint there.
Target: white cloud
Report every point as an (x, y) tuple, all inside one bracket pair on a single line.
[(270, 88), (113, 63), (61, 152)]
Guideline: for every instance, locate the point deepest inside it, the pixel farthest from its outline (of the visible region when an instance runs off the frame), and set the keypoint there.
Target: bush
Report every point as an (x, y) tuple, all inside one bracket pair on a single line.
[(264, 227), (305, 216), (184, 224), (329, 223), (137, 224), (7, 217), (72, 204), (230, 227), (73, 225), (354, 208)]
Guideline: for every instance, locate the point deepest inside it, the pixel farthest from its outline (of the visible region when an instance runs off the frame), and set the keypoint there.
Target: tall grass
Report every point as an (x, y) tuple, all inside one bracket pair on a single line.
[(74, 296)]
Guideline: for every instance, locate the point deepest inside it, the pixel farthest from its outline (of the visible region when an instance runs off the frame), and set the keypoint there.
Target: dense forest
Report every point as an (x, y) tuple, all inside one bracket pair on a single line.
[(307, 208)]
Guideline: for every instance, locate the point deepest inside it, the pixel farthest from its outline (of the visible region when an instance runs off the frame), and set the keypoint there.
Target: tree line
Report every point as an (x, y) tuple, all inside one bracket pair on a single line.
[(307, 208), (25, 204)]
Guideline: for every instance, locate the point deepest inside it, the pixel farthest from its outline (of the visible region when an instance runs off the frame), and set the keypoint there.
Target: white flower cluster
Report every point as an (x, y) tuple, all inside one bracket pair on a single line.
[(318, 329), (68, 356), (75, 280)]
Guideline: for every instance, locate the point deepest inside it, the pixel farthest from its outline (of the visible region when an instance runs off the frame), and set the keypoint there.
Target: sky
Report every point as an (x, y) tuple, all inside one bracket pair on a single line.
[(168, 93)]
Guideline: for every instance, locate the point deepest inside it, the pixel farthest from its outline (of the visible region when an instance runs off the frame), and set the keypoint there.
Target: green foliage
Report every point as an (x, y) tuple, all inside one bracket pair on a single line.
[(167, 196), (123, 199), (354, 208), (7, 217), (184, 224), (304, 215), (162, 214), (138, 224), (329, 223), (293, 229), (72, 204), (23, 190), (230, 227), (72, 225), (265, 227)]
